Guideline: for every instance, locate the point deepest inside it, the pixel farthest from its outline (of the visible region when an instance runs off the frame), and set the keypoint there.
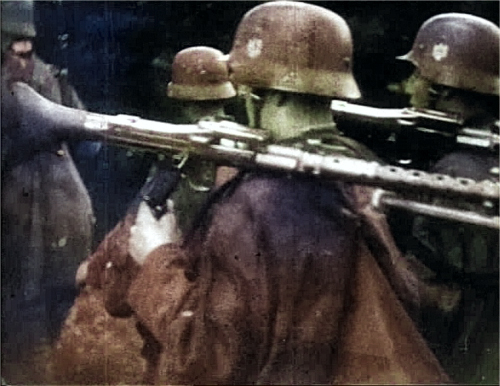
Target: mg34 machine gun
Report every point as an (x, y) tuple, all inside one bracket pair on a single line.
[(233, 144), (412, 136)]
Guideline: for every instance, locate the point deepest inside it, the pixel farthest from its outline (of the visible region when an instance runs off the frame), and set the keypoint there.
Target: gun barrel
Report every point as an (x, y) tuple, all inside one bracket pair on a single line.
[(66, 123), (453, 214), (373, 174), (246, 147)]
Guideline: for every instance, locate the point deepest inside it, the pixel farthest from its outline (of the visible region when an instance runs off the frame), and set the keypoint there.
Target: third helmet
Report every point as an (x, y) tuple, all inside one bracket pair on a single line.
[(458, 50)]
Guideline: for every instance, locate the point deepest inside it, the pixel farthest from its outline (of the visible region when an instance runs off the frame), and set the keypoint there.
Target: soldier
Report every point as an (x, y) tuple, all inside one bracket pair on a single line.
[(201, 87), (47, 216), (289, 89), (261, 299), (457, 72)]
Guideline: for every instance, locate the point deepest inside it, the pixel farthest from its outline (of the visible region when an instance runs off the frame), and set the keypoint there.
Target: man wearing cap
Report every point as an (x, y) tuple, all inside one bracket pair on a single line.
[(47, 216)]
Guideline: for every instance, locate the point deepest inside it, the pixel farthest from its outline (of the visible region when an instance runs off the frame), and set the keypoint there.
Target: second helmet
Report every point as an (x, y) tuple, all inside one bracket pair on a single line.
[(296, 47), (200, 73)]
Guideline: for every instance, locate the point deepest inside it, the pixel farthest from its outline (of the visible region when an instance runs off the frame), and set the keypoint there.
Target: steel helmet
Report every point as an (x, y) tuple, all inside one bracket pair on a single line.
[(200, 73), (18, 18), (294, 46), (458, 50)]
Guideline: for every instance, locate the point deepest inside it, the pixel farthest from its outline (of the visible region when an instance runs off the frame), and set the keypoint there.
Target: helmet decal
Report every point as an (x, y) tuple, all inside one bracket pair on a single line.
[(440, 51), (254, 47)]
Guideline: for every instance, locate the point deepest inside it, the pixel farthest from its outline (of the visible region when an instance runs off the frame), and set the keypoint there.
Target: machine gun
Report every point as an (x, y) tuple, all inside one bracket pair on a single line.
[(232, 144), (412, 133)]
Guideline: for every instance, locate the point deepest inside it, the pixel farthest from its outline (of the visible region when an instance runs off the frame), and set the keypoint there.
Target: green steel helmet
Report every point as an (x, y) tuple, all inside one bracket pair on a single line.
[(296, 47), (200, 73), (18, 18), (458, 50)]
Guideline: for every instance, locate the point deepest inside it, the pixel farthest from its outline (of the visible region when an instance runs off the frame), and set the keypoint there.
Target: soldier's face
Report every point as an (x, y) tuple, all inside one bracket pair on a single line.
[(17, 63)]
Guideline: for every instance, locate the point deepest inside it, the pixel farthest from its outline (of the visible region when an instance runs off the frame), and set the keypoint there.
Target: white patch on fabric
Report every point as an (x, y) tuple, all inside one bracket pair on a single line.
[(440, 51), (254, 48), (62, 242), (187, 314)]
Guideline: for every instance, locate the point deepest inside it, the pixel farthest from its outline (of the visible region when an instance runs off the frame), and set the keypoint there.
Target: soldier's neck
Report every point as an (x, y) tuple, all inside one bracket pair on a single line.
[(288, 115)]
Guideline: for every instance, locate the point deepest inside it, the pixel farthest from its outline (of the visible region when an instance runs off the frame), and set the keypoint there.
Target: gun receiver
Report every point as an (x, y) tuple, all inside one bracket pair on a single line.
[(422, 120), (237, 145)]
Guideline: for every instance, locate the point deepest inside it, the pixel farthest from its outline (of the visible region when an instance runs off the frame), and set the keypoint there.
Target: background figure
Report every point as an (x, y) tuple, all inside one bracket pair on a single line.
[(457, 72), (47, 216)]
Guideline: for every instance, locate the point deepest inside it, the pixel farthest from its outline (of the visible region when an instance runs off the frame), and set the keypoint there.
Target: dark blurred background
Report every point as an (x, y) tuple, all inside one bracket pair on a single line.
[(110, 47)]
